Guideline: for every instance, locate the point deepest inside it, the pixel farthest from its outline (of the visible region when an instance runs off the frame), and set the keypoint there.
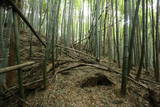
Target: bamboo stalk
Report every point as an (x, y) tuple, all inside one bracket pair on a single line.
[(75, 51), (15, 67), (15, 8), (19, 98)]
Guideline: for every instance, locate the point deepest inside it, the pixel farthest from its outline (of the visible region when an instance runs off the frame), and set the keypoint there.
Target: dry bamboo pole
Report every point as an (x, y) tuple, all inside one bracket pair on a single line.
[(76, 51), (15, 67)]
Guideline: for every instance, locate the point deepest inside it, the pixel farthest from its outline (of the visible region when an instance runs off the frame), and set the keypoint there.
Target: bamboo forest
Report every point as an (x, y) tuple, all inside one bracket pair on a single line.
[(79, 53)]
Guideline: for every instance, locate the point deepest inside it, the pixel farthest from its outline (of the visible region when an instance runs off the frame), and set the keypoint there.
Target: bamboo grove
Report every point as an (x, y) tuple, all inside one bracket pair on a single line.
[(124, 31)]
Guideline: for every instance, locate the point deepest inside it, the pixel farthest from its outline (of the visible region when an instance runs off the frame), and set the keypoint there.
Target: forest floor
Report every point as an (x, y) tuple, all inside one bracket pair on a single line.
[(78, 87), (84, 84)]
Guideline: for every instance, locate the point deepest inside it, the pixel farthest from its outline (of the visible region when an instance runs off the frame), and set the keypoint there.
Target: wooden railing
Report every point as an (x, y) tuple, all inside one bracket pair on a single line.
[(21, 86), (18, 67)]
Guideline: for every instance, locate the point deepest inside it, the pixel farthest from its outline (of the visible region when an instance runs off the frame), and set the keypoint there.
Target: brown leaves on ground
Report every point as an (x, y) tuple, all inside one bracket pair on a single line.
[(66, 91)]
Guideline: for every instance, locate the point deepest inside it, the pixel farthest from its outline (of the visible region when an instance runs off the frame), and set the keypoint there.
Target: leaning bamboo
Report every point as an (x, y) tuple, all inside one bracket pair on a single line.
[(15, 8)]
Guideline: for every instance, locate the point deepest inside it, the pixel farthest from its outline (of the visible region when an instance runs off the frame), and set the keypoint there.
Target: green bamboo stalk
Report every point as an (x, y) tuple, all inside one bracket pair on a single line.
[(20, 74)]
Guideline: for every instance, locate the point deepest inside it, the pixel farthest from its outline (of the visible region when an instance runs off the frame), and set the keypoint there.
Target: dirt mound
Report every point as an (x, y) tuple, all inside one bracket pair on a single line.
[(98, 80)]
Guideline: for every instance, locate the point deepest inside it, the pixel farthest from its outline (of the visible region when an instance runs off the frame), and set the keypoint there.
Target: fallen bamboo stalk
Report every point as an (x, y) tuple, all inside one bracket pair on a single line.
[(81, 59), (15, 67), (75, 50), (27, 85), (113, 71), (139, 95), (105, 69), (73, 57), (67, 60), (70, 67), (50, 66), (150, 81), (20, 99), (145, 80), (32, 83)]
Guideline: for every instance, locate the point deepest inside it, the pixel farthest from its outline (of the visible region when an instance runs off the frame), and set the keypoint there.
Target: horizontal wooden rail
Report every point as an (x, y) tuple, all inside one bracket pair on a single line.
[(15, 67)]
